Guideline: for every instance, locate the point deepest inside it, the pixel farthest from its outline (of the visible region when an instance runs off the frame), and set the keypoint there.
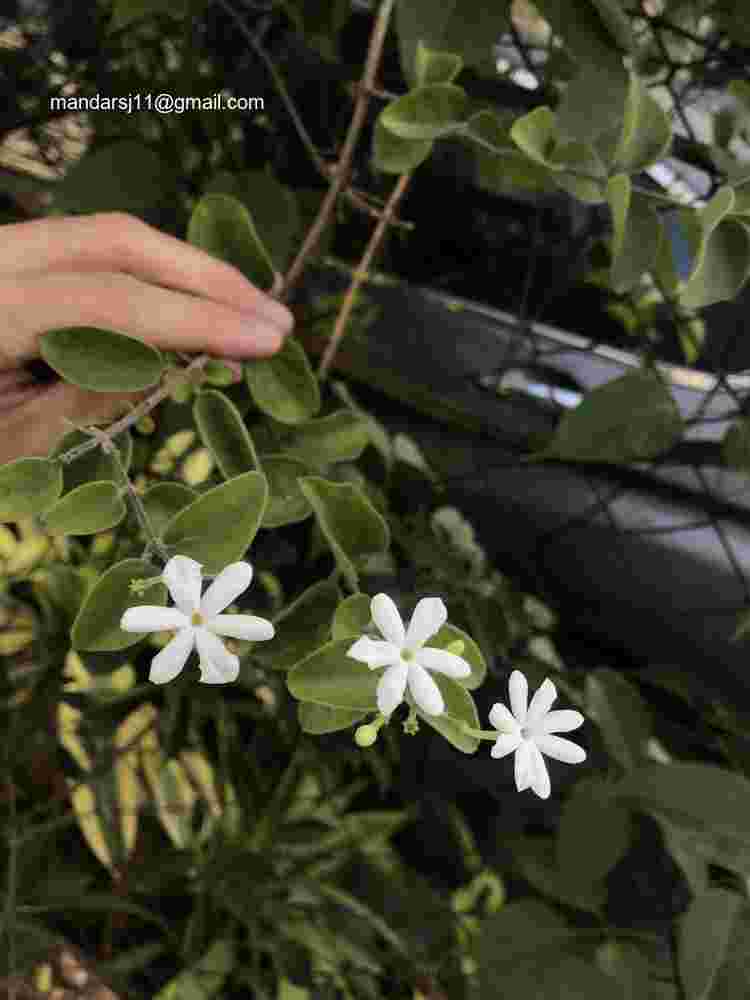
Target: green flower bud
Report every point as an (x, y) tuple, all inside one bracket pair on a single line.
[(456, 647), (365, 736), (146, 425), (182, 393), (197, 467), (177, 444), (217, 373)]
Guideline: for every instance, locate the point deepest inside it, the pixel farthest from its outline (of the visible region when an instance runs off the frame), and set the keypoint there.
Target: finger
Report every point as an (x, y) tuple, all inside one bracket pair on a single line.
[(160, 316), (36, 425), (114, 241)]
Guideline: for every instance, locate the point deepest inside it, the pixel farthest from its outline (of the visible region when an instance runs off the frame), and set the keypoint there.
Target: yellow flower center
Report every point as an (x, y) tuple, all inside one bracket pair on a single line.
[(407, 654), (196, 618)]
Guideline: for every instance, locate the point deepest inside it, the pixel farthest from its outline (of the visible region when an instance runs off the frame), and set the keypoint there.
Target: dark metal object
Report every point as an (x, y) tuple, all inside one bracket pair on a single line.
[(653, 557)]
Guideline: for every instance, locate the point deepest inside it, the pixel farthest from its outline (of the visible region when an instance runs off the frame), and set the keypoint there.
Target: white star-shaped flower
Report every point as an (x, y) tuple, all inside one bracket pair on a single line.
[(527, 732), (404, 654), (198, 622)]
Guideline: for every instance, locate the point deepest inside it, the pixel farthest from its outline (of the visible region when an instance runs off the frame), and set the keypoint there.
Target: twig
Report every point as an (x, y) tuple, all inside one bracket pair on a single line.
[(341, 172), (360, 274)]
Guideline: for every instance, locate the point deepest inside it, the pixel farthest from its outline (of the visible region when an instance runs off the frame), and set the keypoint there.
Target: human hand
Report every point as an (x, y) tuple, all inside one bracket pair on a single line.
[(111, 270)]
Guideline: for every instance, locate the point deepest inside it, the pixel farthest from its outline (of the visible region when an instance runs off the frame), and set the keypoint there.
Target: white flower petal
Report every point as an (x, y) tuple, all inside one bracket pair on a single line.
[(218, 665), (429, 617), (374, 652), (541, 702), (424, 690), (183, 578), (388, 620), (540, 782), (560, 749), (391, 688), (152, 618), (442, 661), (241, 627), (506, 743), (167, 664), (502, 719), (523, 765), (518, 689), (561, 721), (228, 585)]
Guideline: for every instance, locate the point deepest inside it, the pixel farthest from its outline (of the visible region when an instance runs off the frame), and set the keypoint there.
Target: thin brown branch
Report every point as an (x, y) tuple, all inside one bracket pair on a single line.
[(343, 167), (361, 273)]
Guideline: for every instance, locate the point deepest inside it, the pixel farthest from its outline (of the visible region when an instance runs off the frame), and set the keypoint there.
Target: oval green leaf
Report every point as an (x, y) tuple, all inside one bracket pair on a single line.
[(472, 654), (427, 112), (218, 527), (287, 503), (459, 709), (340, 437), (350, 524), (352, 617), (28, 486), (96, 465), (394, 155), (630, 419), (224, 433), (164, 500), (301, 627), (222, 226), (97, 625), (284, 386), (101, 360), (86, 510), (330, 677), (704, 935)]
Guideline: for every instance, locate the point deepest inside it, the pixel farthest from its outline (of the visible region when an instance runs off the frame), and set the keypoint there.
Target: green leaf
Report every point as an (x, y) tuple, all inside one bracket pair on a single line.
[(578, 158), (646, 131), (622, 716), (86, 510), (725, 266), (97, 625), (499, 166), (272, 206), (222, 226), (302, 626), (735, 446), (459, 709), (340, 437), (701, 798), (636, 234), (287, 503), (520, 930), (101, 360), (535, 134), (163, 500), (692, 851), (350, 524), (630, 419), (205, 978), (330, 677), (537, 861), (288, 991), (594, 831), (284, 386), (28, 486), (616, 22), (218, 527), (436, 67), (319, 719), (124, 176), (224, 433), (352, 617), (705, 930), (96, 465), (427, 112), (394, 155)]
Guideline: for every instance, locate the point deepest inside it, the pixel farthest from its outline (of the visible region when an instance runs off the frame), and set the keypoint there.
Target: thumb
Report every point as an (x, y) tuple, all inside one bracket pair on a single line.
[(36, 425)]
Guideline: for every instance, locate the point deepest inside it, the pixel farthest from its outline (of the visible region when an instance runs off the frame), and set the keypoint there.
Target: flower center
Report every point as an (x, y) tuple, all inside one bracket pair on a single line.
[(196, 618), (526, 732), (407, 654)]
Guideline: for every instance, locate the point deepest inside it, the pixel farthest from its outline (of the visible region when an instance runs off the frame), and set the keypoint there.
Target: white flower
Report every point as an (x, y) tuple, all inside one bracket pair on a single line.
[(198, 621), (405, 656), (528, 733)]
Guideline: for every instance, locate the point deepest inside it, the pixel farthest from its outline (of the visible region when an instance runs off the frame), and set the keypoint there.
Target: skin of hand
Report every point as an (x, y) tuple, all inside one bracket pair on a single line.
[(115, 272)]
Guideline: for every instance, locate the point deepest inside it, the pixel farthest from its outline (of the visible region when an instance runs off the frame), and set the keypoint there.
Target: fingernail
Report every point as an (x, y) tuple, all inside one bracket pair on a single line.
[(277, 313)]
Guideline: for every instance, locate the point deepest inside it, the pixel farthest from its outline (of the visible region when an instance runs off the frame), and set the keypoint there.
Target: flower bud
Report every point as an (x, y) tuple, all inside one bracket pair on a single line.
[(13, 642), (456, 647), (365, 736), (217, 373), (177, 444), (197, 467), (103, 543), (27, 555), (8, 542), (182, 393)]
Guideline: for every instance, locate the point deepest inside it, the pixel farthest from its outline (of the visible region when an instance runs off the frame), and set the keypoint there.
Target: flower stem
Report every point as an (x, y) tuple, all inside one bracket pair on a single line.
[(481, 734)]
